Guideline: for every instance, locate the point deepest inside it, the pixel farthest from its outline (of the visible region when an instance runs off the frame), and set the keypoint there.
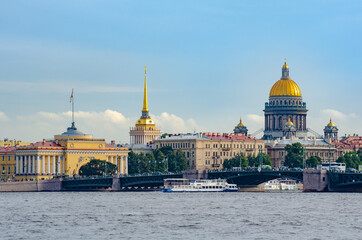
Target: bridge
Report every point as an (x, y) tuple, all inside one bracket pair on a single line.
[(253, 177), (123, 182), (244, 178), (344, 182)]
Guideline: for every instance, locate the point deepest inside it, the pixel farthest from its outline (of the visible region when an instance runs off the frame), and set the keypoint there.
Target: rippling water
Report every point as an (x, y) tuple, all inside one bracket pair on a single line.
[(156, 215)]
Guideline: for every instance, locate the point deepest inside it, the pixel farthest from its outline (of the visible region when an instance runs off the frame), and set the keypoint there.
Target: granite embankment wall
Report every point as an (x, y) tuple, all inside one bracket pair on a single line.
[(32, 186)]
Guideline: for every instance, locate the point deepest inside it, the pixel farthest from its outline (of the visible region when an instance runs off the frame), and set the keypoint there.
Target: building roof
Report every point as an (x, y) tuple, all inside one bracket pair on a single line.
[(229, 136), (285, 86), (44, 144), (187, 136), (304, 141), (7, 149)]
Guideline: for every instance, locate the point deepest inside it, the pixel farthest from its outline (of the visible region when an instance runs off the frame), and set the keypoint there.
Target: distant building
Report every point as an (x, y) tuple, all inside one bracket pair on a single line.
[(64, 155), (241, 128), (209, 150), (285, 102), (145, 131), (331, 131), (313, 147), (12, 143), (348, 144)]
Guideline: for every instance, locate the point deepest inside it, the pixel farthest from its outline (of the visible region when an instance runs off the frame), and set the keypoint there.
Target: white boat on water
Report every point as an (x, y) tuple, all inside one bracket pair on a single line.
[(281, 185), (186, 185)]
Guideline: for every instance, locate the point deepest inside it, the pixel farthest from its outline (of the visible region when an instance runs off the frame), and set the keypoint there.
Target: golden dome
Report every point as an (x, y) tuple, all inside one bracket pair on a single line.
[(289, 123), (330, 124), (285, 87), (145, 121), (240, 124)]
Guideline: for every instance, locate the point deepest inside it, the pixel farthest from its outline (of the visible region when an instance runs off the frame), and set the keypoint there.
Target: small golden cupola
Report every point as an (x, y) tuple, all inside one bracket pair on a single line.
[(331, 124), (289, 123), (285, 86), (241, 128)]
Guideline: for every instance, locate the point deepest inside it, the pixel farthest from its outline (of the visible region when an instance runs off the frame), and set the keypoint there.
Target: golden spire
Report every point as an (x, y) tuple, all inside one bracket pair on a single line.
[(145, 104), (330, 124), (285, 63)]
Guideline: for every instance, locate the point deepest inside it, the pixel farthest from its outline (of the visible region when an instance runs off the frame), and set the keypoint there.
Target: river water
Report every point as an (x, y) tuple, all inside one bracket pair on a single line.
[(156, 215)]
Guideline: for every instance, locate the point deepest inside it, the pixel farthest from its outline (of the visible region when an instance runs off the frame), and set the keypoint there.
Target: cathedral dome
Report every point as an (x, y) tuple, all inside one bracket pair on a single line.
[(285, 87)]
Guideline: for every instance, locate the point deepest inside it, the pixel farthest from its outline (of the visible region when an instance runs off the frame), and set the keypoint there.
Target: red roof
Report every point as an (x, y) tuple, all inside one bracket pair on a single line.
[(42, 144), (228, 136), (7, 149)]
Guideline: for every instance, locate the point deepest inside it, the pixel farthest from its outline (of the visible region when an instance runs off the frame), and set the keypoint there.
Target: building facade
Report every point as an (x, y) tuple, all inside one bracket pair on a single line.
[(145, 130), (285, 102), (64, 155), (313, 147), (207, 151)]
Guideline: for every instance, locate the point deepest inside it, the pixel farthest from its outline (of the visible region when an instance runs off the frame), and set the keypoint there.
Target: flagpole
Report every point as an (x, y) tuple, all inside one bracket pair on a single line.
[(73, 110)]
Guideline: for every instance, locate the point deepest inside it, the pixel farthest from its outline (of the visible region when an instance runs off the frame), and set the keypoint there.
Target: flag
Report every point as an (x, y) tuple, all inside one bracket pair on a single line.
[(71, 96)]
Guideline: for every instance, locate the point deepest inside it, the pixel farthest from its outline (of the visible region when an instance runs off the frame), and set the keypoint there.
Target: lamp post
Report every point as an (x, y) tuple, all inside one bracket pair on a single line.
[(260, 158), (304, 161), (329, 156)]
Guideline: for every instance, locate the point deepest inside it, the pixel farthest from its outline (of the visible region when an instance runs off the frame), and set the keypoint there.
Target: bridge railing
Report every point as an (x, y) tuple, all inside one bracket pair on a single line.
[(151, 174), (256, 170)]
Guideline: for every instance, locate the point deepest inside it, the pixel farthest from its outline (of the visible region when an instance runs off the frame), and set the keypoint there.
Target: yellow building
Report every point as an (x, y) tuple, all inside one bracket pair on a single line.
[(64, 155), (7, 163), (12, 143), (145, 131)]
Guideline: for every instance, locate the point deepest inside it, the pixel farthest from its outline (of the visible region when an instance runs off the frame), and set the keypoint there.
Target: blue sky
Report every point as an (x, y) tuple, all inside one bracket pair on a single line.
[(209, 63)]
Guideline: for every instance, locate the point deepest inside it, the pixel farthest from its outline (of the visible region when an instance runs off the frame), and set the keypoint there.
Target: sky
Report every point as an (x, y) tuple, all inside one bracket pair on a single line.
[(209, 63)]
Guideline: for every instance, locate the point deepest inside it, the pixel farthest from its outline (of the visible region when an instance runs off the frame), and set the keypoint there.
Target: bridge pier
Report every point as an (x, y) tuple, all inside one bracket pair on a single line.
[(116, 184), (315, 180)]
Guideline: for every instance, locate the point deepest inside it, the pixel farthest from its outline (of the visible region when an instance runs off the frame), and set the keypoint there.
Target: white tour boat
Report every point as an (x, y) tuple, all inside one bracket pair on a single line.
[(186, 185)]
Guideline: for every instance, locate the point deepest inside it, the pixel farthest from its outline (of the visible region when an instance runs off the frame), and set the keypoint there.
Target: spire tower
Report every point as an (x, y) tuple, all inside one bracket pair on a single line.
[(145, 112)]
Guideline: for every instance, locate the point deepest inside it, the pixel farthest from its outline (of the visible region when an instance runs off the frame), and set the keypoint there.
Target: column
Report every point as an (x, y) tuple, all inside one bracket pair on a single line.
[(43, 164), (63, 160), (48, 164), (33, 164), (114, 159), (121, 170), (126, 163), (17, 164), (58, 165), (21, 164), (29, 164), (53, 165), (25, 164), (37, 164)]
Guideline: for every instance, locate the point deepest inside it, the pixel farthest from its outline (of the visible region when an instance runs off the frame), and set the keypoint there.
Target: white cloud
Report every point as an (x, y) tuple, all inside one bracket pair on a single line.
[(255, 118), (3, 117), (171, 123), (335, 114), (108, 124)]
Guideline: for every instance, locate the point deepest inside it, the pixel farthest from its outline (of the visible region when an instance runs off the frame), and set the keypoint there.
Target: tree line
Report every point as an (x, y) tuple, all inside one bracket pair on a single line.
[(250, 161), (294, 158), (163, 159)]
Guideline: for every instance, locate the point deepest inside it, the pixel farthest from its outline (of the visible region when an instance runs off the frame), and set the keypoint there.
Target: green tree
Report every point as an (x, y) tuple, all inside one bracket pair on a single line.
[(351, 159), (181, 160), (143, 163), (152, 162), (133, 165), (253, 161), (160, 159), (294, 155), (238, 160), (172, 163), (313, 161), (97, 168)]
